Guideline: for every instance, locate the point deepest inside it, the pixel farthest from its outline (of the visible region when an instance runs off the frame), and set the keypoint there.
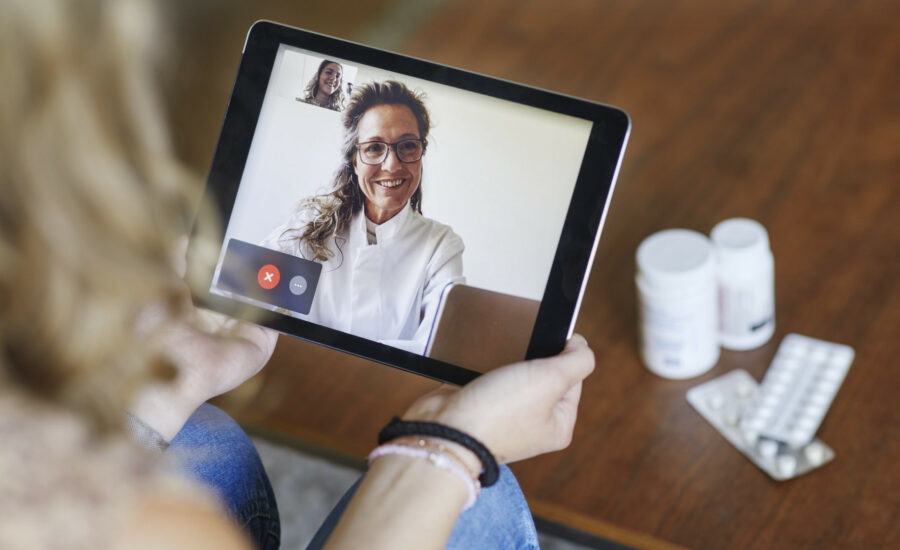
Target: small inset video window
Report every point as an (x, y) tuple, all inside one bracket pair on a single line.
[(318, 81)]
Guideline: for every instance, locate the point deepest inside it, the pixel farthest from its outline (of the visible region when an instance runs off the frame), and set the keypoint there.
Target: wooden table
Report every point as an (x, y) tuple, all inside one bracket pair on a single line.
[(786, 112)]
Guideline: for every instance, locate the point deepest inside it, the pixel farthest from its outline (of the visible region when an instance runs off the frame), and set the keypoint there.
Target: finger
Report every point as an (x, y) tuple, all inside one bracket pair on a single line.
[(574, 364)]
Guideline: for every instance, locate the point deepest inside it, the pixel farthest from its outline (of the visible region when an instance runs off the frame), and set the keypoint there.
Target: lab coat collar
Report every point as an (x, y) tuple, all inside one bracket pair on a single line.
[(389, 229)]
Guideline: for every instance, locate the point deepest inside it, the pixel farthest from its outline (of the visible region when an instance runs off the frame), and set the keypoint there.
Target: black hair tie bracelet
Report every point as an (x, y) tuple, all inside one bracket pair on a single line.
[(402, 428)]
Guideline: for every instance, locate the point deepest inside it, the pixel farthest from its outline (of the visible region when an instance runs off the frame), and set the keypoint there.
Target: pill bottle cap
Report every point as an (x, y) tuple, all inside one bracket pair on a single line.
[(740, 241), (676, 257)]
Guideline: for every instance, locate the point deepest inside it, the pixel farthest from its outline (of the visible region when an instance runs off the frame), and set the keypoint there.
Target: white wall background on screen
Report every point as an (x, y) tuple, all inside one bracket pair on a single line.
[(500, 174)]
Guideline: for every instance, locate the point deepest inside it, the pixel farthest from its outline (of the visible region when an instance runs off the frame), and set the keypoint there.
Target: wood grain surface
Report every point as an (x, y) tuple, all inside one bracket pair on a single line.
[(785, 112)]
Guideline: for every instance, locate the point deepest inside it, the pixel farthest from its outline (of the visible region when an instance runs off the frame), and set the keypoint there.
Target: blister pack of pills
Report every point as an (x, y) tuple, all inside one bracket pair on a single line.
[(724, 401), (797, 389)]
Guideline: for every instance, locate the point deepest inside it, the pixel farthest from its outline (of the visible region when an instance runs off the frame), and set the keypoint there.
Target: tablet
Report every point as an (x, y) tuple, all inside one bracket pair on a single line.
[(354, 185)]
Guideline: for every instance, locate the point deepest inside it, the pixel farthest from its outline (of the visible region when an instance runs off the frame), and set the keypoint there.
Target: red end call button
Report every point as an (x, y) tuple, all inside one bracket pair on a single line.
[(268, 276)]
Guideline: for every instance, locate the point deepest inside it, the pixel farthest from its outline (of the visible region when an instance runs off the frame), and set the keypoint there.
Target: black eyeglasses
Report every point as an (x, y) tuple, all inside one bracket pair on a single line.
[(407, 150)]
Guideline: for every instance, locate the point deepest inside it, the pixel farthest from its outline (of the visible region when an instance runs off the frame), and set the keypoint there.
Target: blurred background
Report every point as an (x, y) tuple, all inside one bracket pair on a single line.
[(785, 112)]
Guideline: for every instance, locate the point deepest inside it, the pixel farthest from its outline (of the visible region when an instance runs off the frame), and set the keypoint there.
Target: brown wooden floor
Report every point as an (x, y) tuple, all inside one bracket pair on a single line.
[(787, 112)]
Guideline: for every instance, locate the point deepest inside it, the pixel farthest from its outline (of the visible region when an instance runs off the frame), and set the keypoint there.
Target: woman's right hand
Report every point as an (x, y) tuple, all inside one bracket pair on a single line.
[(517, 411)]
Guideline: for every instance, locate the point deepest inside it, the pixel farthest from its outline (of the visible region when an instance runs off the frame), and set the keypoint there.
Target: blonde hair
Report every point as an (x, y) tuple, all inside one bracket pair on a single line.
[(92, 200)]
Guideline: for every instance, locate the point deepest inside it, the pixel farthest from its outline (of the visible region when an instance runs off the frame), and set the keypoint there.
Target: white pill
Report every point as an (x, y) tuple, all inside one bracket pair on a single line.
[(743, 390), (732, 418), (814, 453), (784, 376), (806, 423), (825, 392), (789, 363), (768, 448), (818, 354), (841, 356), (750, 436), (799, 436), (819, 398), (787, 464), (756, 423), (813, 410), (716, 401), (833, 374)]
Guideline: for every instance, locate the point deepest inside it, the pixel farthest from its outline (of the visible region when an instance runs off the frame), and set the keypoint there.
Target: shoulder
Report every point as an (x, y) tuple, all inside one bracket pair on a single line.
[(439, 233), (444, 244)]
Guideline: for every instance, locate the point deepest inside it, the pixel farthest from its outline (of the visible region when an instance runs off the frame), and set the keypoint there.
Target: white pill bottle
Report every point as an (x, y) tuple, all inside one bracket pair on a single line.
[(746, 274), (677, 303)]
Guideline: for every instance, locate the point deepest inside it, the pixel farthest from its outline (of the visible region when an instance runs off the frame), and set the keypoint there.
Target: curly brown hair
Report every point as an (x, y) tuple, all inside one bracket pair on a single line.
[(331, 213)]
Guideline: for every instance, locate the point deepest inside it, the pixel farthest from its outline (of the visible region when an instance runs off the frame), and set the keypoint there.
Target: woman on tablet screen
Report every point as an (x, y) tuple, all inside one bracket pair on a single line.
[(385, 264), (324, 89)]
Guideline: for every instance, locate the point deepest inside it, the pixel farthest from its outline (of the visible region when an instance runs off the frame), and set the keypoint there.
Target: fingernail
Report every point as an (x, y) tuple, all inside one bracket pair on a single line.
[(577, 338)]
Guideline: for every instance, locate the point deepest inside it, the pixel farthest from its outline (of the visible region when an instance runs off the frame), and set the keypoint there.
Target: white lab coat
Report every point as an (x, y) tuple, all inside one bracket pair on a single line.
[(388, 291)]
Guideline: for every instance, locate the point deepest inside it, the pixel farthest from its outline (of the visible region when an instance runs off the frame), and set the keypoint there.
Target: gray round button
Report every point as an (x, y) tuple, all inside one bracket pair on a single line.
[(297, 285)]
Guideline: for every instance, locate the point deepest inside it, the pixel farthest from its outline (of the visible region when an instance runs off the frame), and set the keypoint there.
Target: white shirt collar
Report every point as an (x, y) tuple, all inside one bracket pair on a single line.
[(387, 230)]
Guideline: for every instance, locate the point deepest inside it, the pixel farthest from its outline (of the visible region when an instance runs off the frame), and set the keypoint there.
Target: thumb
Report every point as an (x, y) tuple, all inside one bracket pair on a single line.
[(575, 362)]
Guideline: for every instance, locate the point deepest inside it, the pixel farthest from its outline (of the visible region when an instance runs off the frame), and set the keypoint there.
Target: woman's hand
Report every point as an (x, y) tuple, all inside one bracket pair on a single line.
[(209, 360), (212, 354), (517, 411), (218, 357)]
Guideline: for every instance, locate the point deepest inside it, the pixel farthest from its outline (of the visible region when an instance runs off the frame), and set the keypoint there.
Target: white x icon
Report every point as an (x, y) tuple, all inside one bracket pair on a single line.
[(268, 276)]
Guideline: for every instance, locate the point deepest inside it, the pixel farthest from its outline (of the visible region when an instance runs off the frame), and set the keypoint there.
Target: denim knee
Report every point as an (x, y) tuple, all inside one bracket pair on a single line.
[(214, 450)]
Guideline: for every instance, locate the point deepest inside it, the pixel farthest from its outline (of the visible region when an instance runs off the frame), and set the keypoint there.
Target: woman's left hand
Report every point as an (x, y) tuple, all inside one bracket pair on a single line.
[(218, 357), (212, 354), (208, 362)]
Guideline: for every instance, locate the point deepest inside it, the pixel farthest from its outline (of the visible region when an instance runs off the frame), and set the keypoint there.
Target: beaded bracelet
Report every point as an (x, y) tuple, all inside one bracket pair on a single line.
[(435, 446), (442, 460)]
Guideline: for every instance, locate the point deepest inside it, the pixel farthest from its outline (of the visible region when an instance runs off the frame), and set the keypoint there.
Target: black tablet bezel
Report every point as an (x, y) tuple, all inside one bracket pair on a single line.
[(584, 219)]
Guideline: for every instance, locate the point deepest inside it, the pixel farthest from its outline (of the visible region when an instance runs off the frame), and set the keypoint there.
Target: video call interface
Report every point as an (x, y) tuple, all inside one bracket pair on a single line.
[(360, 227)]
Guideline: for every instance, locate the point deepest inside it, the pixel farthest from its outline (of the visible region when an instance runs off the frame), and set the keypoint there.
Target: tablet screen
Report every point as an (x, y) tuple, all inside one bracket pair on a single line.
[(366, 191)]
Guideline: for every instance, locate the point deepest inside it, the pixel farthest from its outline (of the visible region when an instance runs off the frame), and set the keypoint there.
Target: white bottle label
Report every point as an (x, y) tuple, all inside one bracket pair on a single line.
[(680, 340)]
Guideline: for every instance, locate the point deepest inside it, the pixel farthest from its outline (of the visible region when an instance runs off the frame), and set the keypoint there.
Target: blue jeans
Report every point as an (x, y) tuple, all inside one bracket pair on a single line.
[(500, 519), (215, 451)]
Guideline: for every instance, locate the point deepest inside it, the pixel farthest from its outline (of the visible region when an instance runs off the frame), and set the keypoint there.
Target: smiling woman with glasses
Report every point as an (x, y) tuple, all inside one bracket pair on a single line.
[(384, 263)]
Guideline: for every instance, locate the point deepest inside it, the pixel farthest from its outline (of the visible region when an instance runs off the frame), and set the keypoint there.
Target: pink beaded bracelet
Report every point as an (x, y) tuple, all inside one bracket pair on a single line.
[(442, 460)]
